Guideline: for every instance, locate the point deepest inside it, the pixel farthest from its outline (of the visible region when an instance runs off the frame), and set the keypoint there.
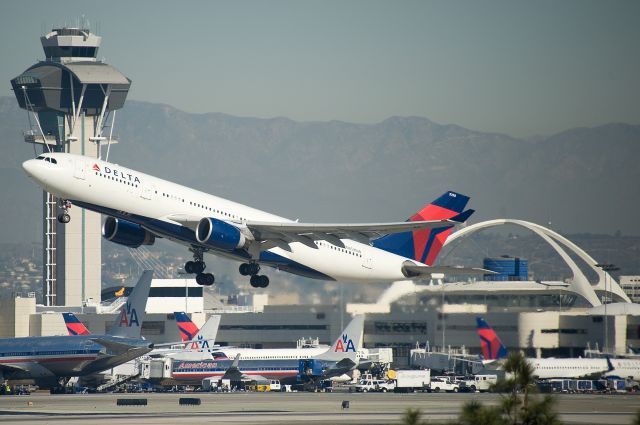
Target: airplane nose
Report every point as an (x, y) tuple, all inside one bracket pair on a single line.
[(29, 166)]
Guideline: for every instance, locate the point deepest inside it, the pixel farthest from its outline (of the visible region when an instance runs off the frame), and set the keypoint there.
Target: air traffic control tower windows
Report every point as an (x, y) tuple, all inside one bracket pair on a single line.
[(70, 52)]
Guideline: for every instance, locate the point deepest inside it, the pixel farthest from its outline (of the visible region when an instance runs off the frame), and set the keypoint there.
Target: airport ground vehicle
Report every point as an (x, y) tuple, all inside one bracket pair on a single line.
[(410, 380), (481, 382), (373, 385), (443, 383)]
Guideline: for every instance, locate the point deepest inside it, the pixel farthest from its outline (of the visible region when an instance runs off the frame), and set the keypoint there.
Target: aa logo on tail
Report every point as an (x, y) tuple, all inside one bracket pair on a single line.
[(344, 345), (200, 344), (128, 316)]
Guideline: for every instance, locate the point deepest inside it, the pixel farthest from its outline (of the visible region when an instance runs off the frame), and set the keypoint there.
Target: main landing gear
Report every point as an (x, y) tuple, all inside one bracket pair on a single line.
[(64, 216), (197, 266), (252, 269)]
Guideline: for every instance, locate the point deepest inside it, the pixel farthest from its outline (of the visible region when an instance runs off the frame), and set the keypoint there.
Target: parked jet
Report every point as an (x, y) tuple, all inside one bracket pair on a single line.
[(140, 207), (494, 350), (196, 343), (51, 359), (339, 358)]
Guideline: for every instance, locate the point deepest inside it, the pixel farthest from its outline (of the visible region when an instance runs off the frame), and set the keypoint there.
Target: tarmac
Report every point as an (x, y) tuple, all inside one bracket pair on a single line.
[(287, 408)]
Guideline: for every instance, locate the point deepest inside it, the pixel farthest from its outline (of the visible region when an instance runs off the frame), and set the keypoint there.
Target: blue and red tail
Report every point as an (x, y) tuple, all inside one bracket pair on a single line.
[(74, 325), (425, 245), (187, 328), (492, 347)]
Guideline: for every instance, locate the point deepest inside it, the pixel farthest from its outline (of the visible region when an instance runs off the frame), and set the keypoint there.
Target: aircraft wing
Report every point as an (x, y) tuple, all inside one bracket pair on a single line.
[(416, 270), (33, 369), (114, 346), (281, 234)]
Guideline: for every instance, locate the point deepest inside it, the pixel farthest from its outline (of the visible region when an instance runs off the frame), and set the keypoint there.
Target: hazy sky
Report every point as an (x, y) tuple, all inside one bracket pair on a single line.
[(517, 67)]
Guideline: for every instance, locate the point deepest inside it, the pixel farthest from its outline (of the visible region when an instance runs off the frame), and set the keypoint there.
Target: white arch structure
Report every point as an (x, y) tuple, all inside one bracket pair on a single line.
[(579, 282)]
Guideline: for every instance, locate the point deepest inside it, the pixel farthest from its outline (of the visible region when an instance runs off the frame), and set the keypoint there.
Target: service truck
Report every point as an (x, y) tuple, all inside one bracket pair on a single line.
[(408, 381)]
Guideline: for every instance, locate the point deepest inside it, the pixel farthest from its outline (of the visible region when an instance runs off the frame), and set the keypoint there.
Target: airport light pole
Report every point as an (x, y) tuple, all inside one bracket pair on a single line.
[(606, 268)]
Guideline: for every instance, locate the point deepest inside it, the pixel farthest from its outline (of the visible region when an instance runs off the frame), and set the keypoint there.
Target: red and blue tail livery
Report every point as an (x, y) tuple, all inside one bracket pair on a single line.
[(425, 245), (74, 325), (492, 347), (187, 328)]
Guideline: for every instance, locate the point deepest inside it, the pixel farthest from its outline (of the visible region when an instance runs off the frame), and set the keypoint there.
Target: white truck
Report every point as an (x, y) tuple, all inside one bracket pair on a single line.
[(408, 381), (373, 385), (442, 383), (483, 382)]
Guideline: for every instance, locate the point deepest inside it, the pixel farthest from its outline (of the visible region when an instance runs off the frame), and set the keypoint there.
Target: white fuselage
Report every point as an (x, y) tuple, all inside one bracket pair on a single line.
[(272, 353), (580, 367), (143, 199)]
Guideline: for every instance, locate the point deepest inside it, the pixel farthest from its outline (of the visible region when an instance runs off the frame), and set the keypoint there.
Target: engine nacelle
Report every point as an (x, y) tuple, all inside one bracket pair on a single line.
[(126, 233), (220, 234)]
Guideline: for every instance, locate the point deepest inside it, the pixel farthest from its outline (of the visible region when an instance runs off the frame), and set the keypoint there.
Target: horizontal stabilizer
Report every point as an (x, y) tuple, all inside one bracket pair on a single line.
[(416, 270), (462, 217)]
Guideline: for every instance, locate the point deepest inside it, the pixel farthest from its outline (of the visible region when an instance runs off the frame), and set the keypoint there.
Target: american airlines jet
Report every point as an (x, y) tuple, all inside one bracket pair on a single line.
[(140, 207)]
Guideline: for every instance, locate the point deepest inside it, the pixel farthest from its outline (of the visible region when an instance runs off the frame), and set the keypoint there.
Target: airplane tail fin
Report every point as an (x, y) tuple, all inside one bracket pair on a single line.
[(187, 328), (128, 323), (492, 347), (424, 245), (74, 325), (348, 343), (206, 337)]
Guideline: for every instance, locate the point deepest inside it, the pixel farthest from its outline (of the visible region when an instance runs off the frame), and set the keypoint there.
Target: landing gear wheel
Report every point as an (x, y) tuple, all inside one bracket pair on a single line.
[(259, 281), (205, 279), (264, 281), (196, 267), (64, 218), (249, 269), (188, 267)]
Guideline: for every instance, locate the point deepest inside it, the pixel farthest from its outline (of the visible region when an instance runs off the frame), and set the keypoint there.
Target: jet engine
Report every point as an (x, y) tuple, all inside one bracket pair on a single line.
[(220, 234), (126, 233)]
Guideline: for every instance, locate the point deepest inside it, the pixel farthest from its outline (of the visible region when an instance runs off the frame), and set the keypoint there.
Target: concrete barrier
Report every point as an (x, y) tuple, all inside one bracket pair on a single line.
[(131, 402), (189, 401)]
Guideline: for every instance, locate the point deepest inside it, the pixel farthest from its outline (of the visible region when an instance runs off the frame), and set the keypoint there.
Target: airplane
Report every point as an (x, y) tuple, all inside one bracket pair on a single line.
[(494, 351), (50, 360), (196, 343), (339, 358), (140, 208)]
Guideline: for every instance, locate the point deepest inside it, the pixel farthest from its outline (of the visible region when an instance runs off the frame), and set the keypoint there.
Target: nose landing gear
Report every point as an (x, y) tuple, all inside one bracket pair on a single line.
[(64, 216)]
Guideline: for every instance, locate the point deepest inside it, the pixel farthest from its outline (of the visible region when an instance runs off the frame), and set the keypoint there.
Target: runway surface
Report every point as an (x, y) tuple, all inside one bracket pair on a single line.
[(286, 408)]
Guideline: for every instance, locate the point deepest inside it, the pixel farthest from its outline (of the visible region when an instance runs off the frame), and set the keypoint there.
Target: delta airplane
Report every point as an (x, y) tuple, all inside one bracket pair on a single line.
[(494, 350), (335, 360), (140, 208), (51, 359)]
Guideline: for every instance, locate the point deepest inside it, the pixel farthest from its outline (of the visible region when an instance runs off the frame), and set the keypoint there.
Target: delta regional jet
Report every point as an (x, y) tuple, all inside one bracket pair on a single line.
[(140, 208)]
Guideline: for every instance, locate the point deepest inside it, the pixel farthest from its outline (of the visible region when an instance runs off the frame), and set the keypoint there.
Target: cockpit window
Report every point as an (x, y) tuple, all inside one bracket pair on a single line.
[(48, 159)]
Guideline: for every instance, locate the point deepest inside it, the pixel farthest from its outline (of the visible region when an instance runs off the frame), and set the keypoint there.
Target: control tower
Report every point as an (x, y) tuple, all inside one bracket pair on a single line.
[(71, 96)]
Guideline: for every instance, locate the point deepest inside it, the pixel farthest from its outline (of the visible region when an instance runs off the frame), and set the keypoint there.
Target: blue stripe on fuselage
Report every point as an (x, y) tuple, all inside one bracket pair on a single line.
[(188, 237)]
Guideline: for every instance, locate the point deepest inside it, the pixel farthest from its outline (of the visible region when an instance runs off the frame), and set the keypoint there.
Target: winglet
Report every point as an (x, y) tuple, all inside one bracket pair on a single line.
[(463, 216)]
